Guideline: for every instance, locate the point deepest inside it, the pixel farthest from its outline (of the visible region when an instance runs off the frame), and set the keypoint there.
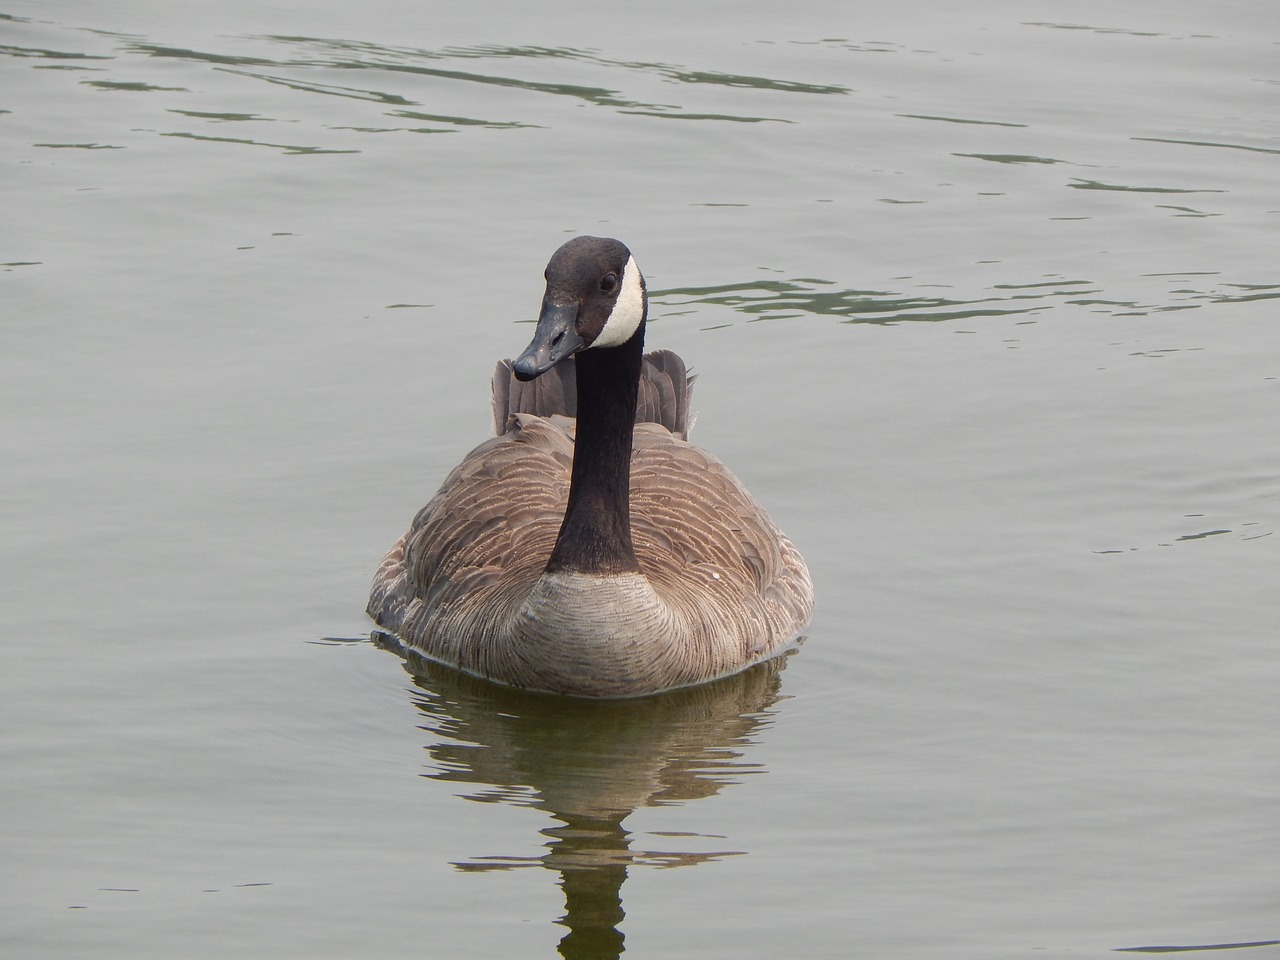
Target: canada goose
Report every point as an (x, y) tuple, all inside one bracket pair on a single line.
[(624, 564)]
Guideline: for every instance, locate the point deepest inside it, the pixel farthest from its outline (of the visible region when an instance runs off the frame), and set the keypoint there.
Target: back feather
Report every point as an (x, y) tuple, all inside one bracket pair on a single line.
[(666, 389)]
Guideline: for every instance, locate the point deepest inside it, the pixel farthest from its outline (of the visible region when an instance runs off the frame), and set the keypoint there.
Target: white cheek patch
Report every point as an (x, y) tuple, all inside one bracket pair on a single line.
[(627, 312)]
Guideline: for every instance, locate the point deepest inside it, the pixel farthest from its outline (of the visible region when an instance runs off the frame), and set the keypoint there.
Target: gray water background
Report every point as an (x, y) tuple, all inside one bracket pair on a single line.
[(984, 302)]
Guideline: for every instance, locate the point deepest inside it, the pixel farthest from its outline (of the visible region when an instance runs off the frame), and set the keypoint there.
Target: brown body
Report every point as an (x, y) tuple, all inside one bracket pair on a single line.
[(507, 575)]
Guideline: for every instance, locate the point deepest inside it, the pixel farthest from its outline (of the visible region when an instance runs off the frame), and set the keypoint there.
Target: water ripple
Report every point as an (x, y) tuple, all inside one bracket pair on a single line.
[(784, 299), (285, 147), (789, 299), (1079, 184), (8, 50), (1208, 143), (356, 55), (983, 123)]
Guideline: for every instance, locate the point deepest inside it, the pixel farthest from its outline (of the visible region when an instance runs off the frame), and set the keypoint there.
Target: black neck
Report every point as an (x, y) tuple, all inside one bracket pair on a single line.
[(595, 536)]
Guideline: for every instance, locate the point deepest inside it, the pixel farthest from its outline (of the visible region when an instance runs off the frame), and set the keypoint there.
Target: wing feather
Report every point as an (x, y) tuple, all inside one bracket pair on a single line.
[(666, 390), (707, 546)]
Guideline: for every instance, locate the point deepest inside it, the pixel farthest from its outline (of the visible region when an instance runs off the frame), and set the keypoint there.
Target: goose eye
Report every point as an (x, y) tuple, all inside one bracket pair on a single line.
[(608, 282)]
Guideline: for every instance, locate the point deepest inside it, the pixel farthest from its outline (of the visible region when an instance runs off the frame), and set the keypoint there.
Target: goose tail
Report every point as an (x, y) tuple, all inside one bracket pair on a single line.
[(666, 391)]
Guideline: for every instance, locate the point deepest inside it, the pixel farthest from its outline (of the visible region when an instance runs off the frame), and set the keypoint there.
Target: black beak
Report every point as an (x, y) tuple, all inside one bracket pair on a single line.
[(553, 340)]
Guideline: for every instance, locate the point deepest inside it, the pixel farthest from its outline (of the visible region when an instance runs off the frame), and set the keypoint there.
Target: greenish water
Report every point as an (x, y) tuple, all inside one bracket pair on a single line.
[(983, 305)]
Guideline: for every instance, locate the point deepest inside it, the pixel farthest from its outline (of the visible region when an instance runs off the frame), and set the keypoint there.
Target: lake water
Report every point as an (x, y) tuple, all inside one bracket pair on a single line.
[(984, 301)]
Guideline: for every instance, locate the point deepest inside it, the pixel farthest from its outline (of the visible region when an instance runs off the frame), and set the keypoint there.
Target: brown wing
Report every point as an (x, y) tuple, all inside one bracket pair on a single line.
[(708, 546), (490, 527), (666, 390), (553, 393)]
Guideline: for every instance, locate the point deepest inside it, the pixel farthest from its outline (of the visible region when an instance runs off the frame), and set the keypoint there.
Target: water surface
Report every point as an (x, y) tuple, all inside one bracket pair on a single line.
[(983, 302)]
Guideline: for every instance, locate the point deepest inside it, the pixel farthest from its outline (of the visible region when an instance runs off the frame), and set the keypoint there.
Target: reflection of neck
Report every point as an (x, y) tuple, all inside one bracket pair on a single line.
[(595, 536), (591, 856)]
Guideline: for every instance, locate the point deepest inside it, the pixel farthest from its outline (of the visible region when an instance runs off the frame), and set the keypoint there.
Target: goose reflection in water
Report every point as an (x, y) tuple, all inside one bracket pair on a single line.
[(591, 764)]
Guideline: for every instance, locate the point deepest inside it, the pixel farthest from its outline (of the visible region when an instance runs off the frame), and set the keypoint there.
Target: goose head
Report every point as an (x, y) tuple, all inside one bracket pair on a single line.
[(595, 298)]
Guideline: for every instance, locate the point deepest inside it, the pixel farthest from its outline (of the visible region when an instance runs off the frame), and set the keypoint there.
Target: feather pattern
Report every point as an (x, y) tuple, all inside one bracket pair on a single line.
[(714, 585), (666, 390)]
